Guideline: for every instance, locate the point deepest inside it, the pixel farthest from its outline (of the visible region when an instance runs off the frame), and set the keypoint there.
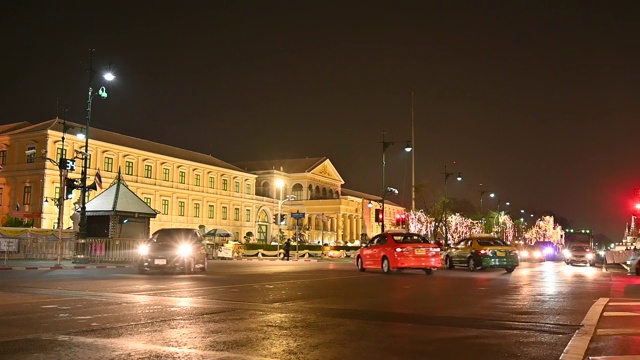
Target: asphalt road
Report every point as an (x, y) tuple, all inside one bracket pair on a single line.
[(302, 310)]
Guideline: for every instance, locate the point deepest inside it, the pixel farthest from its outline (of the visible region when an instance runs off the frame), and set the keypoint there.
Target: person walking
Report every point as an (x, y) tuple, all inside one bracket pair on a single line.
[(286, 248)]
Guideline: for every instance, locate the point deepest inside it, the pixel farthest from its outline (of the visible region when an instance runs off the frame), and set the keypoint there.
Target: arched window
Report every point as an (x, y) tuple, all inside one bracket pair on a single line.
[(331, 193), (266, 189), (297, 191), (310, 192), (317, 194), (324, 193)]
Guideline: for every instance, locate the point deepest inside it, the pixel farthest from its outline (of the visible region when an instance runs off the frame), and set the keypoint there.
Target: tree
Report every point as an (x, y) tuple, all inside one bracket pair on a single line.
[(9, 221)]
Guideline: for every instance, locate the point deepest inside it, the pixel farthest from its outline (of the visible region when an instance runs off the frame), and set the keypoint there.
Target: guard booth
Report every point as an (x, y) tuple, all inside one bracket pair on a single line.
[(117, 221)]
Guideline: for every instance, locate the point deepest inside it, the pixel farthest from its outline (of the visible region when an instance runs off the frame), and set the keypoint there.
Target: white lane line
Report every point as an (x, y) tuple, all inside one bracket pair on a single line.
[(620, 313), (127, 346), (624, 303), (577, 346), (619, 357), (611, 332)]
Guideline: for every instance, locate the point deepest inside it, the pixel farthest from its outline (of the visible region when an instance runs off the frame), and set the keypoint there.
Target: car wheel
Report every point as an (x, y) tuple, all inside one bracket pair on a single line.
[(359, 264), (386, 267), (448, 263), (471, 264), (509, 269), (428, 271), (205, 264)]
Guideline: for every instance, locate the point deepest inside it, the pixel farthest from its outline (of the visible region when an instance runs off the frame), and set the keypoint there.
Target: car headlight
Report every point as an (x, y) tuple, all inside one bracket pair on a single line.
[(537, 254), (524, 253), (143, 250), (589, 256), (548, 251), (184, 250), (566, 253)]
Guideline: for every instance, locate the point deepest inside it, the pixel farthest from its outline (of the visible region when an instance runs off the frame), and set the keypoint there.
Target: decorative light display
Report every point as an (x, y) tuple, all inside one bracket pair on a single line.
[(545, 230), (421, 223)]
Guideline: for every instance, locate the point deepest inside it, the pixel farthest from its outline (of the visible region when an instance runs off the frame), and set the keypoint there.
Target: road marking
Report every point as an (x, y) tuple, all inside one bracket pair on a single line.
[(620, 313), (610, 332), (620, 357), (577, 346), (624, 303)]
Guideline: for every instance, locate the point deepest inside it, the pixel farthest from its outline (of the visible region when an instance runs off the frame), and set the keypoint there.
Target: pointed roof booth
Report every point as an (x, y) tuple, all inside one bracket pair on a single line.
[(118, 212)]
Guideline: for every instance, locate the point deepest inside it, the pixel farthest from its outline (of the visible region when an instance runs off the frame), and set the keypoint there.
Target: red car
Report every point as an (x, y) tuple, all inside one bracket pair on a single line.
[(399, 250)]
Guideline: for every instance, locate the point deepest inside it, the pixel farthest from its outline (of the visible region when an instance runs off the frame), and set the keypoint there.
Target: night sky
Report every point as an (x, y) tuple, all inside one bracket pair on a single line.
[(537, 100)]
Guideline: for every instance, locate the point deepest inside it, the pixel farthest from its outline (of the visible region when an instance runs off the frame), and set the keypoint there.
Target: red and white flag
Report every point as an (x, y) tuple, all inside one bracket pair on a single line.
[(98, 179)]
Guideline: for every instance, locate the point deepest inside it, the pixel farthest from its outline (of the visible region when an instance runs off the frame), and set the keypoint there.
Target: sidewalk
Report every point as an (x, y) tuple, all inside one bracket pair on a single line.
[(13, 264)]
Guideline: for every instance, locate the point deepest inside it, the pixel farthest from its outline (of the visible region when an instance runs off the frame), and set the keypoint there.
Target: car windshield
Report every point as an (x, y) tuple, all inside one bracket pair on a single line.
[(580, 248), (409, 239), (491, 242), (174, 236)]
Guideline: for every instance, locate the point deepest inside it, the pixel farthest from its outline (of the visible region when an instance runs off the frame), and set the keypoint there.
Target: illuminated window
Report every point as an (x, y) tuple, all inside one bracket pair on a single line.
[(196, 210), (236, 214), (165, 174), (148, 170), (224, 213), (26, 196), (247, 215), (3, 157), (225, 184), (108, 164), (212, 211), (147, 200), (128, 167), (212, 182), (31, 156), (182, 177), (236, 186), (165, 207), (248, 189), (181, 207), (61, 154), (297, 191), (196, 180)]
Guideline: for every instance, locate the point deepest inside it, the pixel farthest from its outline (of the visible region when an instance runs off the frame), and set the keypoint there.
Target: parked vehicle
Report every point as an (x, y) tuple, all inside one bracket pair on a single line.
[(579, 254), (397, 249), (482, 251), (634, 263), (173, 249)]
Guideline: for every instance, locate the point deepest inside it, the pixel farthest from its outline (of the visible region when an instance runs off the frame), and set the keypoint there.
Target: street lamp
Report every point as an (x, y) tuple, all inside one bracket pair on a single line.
[(85, 163), (444, 206), (482, 192), (385, 189), (389, 190), (280, 184)]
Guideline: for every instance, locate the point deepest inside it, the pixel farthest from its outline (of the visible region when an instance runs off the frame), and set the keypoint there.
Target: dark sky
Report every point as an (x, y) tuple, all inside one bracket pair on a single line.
[(537, 100)]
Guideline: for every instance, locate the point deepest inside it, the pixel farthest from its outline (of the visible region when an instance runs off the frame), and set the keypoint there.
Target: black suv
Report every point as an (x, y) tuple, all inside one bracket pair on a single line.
[(173, 249)]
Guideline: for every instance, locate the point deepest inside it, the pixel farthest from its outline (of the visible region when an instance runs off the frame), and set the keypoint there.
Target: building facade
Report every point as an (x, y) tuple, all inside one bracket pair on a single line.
[(186, 188)]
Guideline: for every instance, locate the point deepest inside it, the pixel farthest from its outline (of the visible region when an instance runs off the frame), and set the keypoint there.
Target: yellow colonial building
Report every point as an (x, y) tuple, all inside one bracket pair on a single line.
[(185, 188)]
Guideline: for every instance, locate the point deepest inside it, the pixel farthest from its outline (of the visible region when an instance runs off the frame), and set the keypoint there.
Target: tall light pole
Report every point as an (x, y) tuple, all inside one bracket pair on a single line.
[(482, 192), (385, 190), (280, 184), (85, 163), (444, 206), (413, 159)]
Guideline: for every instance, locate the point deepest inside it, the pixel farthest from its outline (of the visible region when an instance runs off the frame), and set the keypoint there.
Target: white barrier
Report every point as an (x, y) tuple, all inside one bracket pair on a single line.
[(617, 256)]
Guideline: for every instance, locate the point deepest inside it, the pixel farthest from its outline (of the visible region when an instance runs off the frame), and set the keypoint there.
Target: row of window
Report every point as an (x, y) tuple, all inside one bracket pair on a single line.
[(211, 210)]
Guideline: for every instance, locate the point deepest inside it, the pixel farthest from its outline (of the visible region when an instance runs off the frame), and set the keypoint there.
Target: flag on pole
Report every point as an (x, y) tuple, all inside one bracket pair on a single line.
[(17, 207), (98, 179)]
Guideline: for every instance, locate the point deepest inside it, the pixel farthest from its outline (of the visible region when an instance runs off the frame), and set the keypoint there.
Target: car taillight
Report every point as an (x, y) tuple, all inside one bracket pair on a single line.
[(434, 249), (513, 252), (405, 250), (485, 252)]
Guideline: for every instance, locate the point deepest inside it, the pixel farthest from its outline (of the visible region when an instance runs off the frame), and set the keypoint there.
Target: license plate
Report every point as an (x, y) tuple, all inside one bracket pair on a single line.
[(420, 251), (160, 261), (500, 253)]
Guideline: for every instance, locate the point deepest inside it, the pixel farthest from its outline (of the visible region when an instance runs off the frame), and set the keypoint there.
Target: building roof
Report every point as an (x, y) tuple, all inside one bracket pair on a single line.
[(118, 199), (119, 139), (289, 166)]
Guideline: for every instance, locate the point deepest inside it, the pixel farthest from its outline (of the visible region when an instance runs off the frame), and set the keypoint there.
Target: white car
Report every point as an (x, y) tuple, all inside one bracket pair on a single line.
[(634, 263), (579, 254)]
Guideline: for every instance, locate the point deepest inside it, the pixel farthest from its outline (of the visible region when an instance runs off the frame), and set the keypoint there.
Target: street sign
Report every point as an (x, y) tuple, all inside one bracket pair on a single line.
[(297, 215)]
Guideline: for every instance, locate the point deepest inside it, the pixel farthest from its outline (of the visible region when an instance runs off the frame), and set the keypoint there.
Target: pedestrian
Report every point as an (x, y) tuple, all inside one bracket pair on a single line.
[(286, 248)]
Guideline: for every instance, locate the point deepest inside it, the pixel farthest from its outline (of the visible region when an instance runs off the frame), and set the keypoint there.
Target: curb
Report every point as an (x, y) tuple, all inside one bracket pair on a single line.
[(82, 267)]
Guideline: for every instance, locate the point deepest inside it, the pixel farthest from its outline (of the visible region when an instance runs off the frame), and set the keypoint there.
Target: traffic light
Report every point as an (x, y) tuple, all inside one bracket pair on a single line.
[(379, 215), (398, 220), (276, 217), (283, 219), (403, 219), (70, 185)]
